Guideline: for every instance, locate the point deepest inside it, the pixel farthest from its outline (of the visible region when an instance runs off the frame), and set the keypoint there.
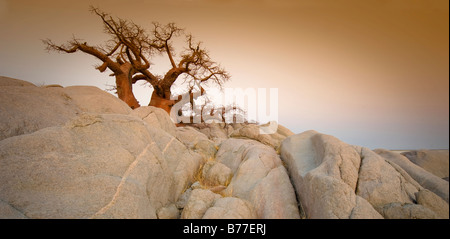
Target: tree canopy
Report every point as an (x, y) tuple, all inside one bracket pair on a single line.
[(129, 54)]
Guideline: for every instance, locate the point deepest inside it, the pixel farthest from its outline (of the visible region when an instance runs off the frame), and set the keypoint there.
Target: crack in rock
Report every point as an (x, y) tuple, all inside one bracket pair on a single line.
[(121, 184)]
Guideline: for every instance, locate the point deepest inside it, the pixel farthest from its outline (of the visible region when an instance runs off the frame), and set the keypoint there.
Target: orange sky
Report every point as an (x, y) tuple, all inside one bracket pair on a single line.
[(373, 73)]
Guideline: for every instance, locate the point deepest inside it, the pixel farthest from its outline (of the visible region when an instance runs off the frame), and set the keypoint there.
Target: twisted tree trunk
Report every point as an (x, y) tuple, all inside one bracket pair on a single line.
[(125, 87), (161, 93), (126, 55), (125, 91), (162, 101)]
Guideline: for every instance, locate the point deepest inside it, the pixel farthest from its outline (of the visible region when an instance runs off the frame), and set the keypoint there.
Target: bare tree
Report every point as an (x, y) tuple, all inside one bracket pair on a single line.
[(130, 49)]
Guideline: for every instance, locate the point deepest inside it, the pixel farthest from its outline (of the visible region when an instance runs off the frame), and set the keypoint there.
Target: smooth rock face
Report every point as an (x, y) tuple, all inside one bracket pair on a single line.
[(259, 177), (433, 202), (92, 99), (206, 148), (168, 212), (79, 152), (181, 163), (215, 131), (380, 183), (337, 180), (219, 132), (230, 208), (7, 81), (249, 131), (8, 212), (197, 142), (398, 210), (189, 136), (274, 196), (231, 151), (26, 108), (96, 166), (80, 170), (216, 173), (325, 174), (284, 131), (434, 161), (252, 131), (394, 193), (183, 199), (155, 117), (423, 177), (199, 202)]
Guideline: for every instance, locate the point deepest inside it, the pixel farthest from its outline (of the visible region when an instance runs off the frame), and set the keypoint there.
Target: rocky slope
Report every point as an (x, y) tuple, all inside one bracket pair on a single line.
[(79, 152)]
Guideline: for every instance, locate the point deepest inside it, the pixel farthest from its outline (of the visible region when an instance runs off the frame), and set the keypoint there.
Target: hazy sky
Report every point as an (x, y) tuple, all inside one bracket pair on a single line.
[(373, 73)]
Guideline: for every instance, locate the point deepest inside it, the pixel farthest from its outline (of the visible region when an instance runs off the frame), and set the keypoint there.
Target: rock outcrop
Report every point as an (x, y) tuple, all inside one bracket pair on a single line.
[(422, 176), (434, 161), (258, 177), (196, 141), (219, 132), (26, 108), (79, 152), (230, 208), (92, 99), (252, 131), (337, 180), (380, 183), (216, 174), (156, 117), (199, 202), (325, 173), (245, 180), (95, 166)]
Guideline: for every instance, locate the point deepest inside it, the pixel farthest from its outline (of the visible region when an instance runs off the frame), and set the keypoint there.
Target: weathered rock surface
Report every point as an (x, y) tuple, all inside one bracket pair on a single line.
[(231, 151), (337, 180), (393, 192), (274, 197), (168, 212), (190, 136), (324, 171), (8, 212), (79, 152), (155, 117), (259, 177), (380, 183), (183, 199), (207, 148), (196, 141), (216, 174), (252, 131), (426, 179), (433, 202), (217, 132), (7, 81), (199, 202), (26, 108), (95, 166), (434, 161), (284, 131), (92, 99), (182, 165), (398, 210), (230, 208)]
